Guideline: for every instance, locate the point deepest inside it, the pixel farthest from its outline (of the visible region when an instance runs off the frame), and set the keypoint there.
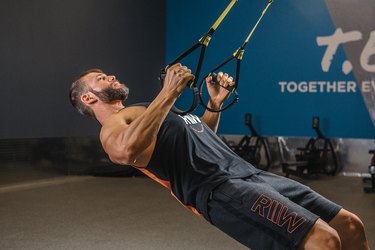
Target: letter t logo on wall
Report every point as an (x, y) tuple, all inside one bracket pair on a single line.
[(333, 42)]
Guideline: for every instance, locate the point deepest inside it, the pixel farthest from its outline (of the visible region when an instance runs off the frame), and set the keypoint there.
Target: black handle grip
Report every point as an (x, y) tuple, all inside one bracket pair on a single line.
[(190, 84), (229, 88)]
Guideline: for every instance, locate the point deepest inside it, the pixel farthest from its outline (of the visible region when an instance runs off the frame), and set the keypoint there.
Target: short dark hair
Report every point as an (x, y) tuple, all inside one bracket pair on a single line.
[(77, 89)]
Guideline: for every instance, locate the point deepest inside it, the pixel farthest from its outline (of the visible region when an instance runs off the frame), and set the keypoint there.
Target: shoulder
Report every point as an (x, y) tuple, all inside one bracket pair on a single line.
[(129, 113), (121, 119)]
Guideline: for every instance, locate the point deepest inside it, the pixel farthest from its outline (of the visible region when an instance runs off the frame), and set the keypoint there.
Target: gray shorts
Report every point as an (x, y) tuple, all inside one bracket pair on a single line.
[(267, 211)]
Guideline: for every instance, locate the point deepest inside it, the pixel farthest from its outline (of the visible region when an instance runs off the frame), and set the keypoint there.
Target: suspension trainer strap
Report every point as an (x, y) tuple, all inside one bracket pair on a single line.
[(238, 54), (256, 25), (206, 38), (203, 43)]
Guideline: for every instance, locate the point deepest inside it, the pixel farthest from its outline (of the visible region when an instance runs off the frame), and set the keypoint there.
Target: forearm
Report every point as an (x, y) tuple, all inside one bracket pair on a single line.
[(212, 118), (140, 132), (144, 129)]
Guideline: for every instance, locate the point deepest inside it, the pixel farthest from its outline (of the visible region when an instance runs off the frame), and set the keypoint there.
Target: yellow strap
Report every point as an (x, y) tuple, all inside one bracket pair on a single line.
[(206, 40), (260, 18), (222, 16)]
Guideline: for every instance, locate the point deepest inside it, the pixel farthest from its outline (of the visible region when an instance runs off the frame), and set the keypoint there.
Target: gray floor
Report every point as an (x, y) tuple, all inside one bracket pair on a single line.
[(129, 213)]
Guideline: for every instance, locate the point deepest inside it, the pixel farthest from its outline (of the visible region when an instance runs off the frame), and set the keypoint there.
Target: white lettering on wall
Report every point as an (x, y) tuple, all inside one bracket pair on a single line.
[(326, 87), (333, 42), (367, 52), (338, 38)]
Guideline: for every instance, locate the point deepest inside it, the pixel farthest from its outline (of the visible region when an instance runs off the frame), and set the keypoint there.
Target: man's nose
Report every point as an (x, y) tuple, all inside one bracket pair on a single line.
[(111, 78)]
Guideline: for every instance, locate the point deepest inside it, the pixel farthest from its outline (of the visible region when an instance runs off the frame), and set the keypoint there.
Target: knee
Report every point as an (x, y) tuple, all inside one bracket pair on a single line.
[(330, 239), (353, 225), (350, 229), (322, 236)]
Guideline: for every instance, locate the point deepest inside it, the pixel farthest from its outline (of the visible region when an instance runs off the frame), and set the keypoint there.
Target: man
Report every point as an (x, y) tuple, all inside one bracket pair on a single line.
[(259, 209)]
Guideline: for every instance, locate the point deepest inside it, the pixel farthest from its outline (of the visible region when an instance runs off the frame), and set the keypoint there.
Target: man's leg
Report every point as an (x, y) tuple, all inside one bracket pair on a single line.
[(345, 231), (350, 229), (321, 236), (256, 215)]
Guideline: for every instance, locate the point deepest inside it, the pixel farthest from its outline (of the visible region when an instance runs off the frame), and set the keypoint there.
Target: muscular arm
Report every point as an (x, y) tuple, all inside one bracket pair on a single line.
[(125, 141), (212, 118), (217, 96)]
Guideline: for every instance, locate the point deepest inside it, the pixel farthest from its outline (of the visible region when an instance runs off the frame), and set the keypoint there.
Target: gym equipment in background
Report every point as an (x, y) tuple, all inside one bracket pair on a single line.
[(317, 157), (253, 148), (371, 170)]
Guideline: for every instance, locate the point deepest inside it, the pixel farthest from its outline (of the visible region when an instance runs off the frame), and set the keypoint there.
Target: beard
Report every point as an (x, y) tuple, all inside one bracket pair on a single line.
[(111, 94)]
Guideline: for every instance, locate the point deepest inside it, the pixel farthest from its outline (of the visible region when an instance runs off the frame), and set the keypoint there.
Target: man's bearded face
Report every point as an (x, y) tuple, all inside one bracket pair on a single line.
[(111, 94)]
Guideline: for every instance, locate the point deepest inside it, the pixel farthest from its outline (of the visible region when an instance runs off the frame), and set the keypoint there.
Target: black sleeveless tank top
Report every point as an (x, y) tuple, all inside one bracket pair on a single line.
[(191, 160)]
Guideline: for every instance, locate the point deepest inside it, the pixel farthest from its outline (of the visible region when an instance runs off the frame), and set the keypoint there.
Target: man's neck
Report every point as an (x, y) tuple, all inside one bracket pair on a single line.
[(103, 112)]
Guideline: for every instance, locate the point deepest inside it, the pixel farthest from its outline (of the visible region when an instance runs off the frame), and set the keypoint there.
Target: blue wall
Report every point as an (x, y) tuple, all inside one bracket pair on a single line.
[(283, 48)]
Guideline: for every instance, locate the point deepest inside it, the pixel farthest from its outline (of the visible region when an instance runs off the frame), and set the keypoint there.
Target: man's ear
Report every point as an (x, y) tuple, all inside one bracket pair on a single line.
[(89, 98)]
